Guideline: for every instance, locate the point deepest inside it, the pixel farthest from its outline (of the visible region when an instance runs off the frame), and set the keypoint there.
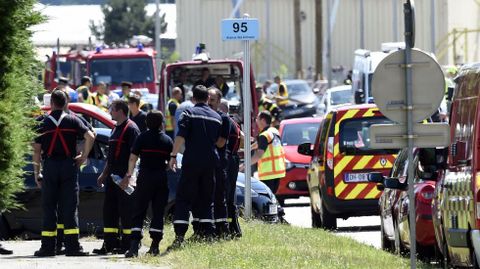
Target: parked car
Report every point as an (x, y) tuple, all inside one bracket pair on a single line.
[(456, 203), (340, 165), (264, 203), (394, 203), (335, 97), (302, 100), (294, 132), (92, 114)]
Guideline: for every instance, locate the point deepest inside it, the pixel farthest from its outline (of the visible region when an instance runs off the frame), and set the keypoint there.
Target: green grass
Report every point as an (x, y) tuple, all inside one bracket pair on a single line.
[(277, 246)]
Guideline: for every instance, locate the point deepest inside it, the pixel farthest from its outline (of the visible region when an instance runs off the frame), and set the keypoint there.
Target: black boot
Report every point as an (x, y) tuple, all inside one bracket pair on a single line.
[(134, 247), (154, 249), (43, 252), (104, 250), (48, 247), (72, 246), (178, 243), (76, 253), (4, 251)]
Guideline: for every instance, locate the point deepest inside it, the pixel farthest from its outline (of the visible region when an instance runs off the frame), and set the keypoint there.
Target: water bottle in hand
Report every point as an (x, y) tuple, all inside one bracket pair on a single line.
[(118, 179)]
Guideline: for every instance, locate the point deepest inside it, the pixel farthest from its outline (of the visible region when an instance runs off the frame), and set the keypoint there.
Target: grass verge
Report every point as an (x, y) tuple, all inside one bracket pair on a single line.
[(277, 246)]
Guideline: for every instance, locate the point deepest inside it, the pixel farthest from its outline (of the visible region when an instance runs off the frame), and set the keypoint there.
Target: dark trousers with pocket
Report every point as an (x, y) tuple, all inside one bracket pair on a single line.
[(272, 184), (231, 185), (151, 188), (60, 194), (195, 193), (220, 203), (117, 207)]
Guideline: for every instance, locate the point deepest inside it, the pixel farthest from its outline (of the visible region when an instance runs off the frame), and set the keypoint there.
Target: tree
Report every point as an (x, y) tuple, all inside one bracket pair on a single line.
[(18, 87), (123, 19)]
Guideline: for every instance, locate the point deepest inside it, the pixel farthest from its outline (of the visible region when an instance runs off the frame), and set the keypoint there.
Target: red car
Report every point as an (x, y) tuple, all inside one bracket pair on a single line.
[(394, 204), (294, 132), (94, 115)]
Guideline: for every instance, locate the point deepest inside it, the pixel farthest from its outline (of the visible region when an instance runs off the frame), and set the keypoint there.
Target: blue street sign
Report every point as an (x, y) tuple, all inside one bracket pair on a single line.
[(240, 29)]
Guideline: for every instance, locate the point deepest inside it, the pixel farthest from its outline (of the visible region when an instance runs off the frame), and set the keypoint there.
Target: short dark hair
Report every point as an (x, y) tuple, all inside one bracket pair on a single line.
[(58, 98), (154, 120), (134, 99), (265, 115), (120, 105), (200, 93), (85, 79)]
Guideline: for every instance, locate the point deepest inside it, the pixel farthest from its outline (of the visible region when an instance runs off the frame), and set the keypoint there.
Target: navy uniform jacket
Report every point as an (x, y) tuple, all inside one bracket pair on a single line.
[(200, 126)]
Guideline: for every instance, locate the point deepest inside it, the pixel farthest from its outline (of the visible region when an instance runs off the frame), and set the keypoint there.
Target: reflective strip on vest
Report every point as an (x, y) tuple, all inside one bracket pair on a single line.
[(168, 117), (272, 163), (49, 233), (110, 230), (127, 231), (284, 94), (60, 226), (71, 231), (57, 133)]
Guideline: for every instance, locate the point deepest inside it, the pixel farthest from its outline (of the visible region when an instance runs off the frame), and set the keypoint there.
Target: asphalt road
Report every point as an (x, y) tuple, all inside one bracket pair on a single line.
[(363, 229), (23, 258)]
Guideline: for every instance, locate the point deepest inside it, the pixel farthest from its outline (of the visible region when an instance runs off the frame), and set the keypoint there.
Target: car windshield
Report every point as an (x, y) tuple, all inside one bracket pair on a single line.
[(298, 88), (340, 97), (114, 71), (354, 136), (296, 134)]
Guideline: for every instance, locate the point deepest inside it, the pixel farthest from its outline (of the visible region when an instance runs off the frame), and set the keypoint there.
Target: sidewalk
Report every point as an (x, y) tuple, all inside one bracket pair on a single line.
[(23, 258)]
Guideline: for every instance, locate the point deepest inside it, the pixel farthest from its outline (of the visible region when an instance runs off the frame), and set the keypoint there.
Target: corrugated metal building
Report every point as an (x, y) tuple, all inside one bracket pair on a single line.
[(199, 21)]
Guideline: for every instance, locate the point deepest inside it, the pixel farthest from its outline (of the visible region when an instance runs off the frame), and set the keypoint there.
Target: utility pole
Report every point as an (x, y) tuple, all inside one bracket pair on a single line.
[(362, 24), (268, 61), (158, 47), (298, 39), (432, 25), (318, 40), (395, 20)]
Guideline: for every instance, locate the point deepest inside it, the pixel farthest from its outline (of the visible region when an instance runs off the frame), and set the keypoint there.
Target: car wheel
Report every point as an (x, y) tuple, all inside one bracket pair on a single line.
[(386, 244), (4, 229), (329, 221), (316, 221)]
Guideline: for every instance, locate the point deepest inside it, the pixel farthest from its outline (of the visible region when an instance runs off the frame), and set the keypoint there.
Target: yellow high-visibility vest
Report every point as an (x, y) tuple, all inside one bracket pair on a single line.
[(272, 163), (100, 100), (284, 94), (168, 117)]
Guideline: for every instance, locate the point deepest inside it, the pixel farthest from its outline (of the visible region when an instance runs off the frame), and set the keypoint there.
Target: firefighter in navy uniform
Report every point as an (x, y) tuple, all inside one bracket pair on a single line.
[(233, 161), (154, 148), (117, 204), (57, 144), (199, 128), (220, 204)]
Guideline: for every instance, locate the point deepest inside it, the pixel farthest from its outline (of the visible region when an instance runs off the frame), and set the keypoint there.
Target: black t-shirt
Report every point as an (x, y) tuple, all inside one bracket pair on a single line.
[(200, 126), (234, 137), (70, 127), (154, 148), (118, 158), (140, 120), (224, 133), (172, 107), (262, 141)]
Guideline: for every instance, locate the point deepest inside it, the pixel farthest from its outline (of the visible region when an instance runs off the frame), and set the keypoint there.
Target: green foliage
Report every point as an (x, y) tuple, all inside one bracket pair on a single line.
[(18, 86), (123, 19)]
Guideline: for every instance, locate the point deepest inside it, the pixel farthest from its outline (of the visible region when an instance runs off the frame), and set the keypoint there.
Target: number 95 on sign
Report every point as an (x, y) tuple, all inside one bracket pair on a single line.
[(240, 29)]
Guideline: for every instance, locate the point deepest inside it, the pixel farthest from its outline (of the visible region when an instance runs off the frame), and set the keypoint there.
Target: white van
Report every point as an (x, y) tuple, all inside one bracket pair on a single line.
[(364, 65)]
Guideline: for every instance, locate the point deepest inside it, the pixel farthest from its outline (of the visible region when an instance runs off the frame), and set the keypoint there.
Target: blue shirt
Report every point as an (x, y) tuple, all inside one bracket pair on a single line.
[(200, 126), (184, 105)]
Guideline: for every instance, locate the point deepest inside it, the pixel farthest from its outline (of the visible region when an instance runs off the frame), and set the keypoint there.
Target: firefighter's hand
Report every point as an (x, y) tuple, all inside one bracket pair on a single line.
[(172, 164), (101, 180), (38, 180), (241, 168), (125, 182), (80, 159)]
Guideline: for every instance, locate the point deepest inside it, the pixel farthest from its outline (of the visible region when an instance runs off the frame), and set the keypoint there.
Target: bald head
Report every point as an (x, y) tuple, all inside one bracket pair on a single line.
[(224, 106), (177, 93)]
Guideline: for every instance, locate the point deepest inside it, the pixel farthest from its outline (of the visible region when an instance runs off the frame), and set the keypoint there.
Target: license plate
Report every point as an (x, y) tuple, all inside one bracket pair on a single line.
[(355, 178), (273, 209)]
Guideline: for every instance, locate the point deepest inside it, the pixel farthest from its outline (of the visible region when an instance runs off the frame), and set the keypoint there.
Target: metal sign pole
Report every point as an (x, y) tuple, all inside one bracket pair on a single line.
[(247, 128), (409, 40)]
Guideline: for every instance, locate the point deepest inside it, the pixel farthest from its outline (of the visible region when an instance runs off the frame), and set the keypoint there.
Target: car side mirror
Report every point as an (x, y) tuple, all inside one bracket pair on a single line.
[(375, 177), (393, 183), (305, 149), (316, 90)]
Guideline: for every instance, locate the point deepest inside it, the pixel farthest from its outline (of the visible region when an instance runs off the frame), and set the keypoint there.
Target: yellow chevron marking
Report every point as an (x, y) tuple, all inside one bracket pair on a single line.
[(336, 149), (362, 163), (341, 165), (372, 194), (340, 187), (347, 115), (356, 191), (370, 112)]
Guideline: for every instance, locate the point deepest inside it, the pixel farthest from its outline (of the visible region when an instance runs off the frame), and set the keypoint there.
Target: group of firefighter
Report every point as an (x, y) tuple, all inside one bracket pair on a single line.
[(196, 125)]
